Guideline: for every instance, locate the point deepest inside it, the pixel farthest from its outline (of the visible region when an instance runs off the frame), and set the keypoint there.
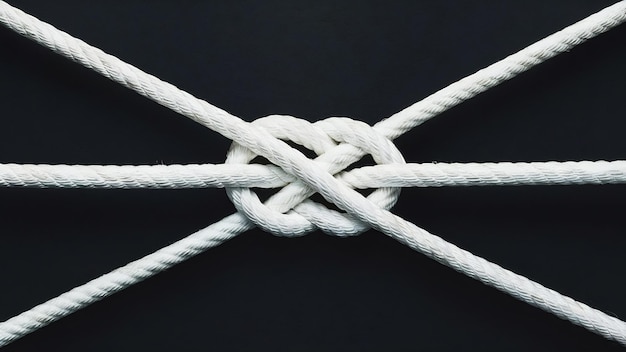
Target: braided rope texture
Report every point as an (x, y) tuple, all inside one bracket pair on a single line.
[(270, 176), (346, 141)]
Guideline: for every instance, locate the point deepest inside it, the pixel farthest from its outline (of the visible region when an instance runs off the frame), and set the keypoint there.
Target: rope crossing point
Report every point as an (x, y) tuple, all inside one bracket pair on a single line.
[(320, 137), (338, 142)]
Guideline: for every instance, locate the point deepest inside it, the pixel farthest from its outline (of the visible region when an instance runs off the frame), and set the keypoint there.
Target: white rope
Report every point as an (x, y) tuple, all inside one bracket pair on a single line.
[(503, 70), (118, 279), (396, 125), (312, 173), (487, 174), (321, 137), (270, 176)]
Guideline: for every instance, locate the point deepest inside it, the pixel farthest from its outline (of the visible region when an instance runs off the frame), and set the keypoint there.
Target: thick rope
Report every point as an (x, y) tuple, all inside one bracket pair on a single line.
[(270, 176), (306, 215), (397, 124), (503, 70), (121, 278), (293, 162)]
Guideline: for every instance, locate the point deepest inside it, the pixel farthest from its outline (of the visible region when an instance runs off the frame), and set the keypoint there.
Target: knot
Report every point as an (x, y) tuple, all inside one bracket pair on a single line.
[(290, 212)]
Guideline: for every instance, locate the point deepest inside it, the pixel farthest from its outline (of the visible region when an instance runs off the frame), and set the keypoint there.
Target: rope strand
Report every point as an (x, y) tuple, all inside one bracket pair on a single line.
[(270, 176), (121, 278), (310, 177)]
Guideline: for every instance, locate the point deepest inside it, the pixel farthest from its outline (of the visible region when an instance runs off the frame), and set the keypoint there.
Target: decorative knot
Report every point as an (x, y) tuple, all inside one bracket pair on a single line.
[(290, 212)]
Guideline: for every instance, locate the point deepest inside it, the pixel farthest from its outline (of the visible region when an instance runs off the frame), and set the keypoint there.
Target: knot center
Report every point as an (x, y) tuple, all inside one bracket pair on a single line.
[(337, 142)]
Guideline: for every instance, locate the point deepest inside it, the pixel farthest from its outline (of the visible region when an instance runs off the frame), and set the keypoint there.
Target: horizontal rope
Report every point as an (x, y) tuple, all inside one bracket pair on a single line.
[(270, 176), (308, 173)]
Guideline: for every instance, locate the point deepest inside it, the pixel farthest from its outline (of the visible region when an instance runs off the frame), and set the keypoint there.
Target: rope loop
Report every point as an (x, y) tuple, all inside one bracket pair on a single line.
[(338, 142), (284, 214)]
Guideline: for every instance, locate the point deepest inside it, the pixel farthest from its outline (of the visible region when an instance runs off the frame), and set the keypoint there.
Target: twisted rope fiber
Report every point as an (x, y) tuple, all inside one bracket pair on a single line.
[(271, 176), (261, 141)]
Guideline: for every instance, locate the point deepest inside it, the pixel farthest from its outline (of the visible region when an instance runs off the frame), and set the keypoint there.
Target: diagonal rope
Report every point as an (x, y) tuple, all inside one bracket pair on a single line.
[(503, 70), (392, 127), (292, 161), (123, 277)]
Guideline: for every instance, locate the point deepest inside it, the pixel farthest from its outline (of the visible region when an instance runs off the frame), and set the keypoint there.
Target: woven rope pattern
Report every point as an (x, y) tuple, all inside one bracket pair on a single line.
[(338, 142)]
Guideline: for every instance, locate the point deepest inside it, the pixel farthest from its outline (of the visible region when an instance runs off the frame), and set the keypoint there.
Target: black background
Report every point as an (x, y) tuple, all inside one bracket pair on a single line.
[(312, 59)]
